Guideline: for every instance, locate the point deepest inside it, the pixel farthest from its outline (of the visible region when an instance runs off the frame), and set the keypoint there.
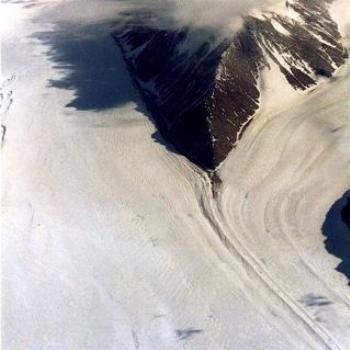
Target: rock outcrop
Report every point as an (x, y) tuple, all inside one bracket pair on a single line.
[(202, 91)]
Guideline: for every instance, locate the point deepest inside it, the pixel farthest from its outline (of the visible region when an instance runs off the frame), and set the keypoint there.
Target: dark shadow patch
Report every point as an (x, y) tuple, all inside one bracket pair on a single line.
[(91, 66), (184, 334), (312, 300), (336, 229), (334, 130), (345, 213)]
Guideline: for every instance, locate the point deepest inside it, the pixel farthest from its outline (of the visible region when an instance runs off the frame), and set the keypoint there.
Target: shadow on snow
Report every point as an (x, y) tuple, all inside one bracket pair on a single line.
[(336, 229), (91, 64)]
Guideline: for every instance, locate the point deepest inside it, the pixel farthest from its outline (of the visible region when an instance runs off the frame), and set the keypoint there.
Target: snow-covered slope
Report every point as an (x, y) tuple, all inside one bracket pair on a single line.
[(111, 241)]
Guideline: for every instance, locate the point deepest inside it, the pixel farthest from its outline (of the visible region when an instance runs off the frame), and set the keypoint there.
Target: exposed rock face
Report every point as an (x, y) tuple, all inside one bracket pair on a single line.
[(202, 92)]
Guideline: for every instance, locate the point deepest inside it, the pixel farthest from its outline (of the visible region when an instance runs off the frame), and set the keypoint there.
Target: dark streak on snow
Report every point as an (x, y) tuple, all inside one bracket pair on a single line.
[(135, 339), (312, 300), (184, 334), (3, 134)]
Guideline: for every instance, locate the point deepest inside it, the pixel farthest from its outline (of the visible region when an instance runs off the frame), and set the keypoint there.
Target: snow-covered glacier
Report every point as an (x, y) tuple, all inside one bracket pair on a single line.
[(114, 238)]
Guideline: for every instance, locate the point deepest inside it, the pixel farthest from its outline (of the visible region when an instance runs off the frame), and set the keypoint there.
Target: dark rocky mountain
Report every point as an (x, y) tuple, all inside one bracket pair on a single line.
[(202, 90)]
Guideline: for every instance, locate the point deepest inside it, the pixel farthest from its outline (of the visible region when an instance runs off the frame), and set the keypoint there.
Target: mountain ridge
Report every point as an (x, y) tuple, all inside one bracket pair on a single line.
[(203, 97)]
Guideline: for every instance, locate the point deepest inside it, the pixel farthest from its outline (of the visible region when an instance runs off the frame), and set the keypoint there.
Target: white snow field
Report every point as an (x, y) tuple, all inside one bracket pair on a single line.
[(110, 241)]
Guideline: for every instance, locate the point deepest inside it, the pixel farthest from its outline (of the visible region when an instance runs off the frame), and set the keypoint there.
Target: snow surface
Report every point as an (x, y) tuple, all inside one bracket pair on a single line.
[(110, 241)]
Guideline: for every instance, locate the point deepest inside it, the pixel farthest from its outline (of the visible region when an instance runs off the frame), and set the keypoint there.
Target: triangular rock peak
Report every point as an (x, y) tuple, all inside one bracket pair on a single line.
[(202, 92)]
